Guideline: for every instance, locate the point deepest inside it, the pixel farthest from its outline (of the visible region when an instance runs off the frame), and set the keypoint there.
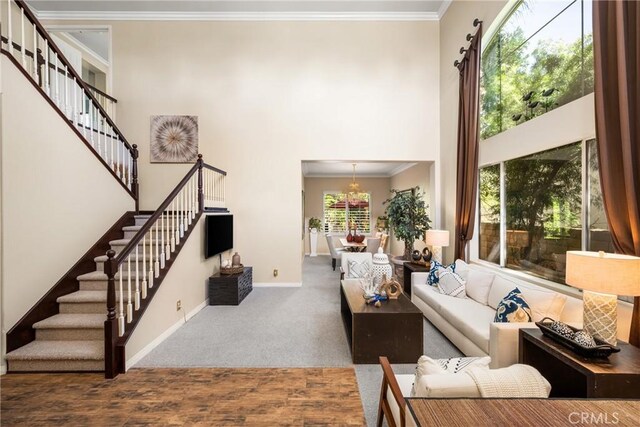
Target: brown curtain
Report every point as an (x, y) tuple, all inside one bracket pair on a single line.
[(616, 39), (468, 135)]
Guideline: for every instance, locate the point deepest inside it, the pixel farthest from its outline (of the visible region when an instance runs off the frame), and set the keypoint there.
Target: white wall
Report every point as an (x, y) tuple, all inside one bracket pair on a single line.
[(57, 198), (418, 175), (186, 281), (271, 94)]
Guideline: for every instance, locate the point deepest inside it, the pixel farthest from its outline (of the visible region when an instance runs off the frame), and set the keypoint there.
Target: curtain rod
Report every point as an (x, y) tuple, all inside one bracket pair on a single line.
[(469, 37)]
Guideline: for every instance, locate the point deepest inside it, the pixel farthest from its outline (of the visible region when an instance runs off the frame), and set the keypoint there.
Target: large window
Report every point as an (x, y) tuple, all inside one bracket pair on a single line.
[(341, 214), (549, 204), (540, 58)]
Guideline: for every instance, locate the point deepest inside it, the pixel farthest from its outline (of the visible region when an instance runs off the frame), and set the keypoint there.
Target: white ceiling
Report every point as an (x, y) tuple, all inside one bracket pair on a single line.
[(240, 9), (336, 169), (96, 40)]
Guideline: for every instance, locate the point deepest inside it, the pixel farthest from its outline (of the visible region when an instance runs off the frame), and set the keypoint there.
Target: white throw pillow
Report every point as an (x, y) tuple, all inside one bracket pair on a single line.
[(479, 285), (449, 283), (446, 386), (544, 303), (462, 268), (358, 269), (428, 366), (500, 287)]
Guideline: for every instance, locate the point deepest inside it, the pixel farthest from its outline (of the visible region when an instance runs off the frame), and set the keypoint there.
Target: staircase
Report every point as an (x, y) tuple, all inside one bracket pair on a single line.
[(85, 320), (73, 340)]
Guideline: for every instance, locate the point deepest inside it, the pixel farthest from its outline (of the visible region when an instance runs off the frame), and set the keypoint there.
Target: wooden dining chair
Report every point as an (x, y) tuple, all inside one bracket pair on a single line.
[(390, 389)]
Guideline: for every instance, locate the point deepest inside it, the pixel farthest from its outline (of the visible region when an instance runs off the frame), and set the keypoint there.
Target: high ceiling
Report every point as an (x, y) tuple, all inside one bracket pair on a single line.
[(334, 169), (237, 9)]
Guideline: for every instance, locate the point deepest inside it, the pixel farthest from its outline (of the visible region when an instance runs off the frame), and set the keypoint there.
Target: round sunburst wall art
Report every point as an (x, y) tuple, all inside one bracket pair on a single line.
[(174, 139)]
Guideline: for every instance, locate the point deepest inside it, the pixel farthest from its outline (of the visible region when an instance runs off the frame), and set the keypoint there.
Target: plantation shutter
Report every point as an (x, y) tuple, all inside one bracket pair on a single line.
[(338, 215)]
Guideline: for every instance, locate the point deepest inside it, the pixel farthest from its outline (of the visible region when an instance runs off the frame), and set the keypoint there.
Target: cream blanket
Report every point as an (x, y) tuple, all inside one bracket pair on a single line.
[(514, 381)]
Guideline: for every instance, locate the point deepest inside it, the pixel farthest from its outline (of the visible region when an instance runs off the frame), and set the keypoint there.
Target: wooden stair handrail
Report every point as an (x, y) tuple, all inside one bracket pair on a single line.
[(44, 34), (106, 95)]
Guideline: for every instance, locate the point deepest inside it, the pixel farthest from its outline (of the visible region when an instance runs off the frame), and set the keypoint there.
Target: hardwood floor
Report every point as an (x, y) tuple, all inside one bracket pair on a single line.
[(203, 396)]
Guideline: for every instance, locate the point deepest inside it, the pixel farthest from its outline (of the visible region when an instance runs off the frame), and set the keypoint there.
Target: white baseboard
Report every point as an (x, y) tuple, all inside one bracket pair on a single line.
[(318, 254), (277, 285), (3, 369), (163, 336)]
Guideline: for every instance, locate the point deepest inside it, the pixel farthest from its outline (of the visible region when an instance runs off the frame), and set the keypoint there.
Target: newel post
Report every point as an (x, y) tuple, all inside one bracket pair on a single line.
[(134, 176), (200, 192), (111, 324)]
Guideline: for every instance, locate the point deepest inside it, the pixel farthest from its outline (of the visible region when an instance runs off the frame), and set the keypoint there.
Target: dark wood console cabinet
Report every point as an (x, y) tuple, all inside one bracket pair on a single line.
[(230, 289)]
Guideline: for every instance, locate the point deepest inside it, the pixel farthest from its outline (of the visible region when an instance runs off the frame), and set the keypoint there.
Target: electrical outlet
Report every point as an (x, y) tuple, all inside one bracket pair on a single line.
[(178, 305), (275, 272)]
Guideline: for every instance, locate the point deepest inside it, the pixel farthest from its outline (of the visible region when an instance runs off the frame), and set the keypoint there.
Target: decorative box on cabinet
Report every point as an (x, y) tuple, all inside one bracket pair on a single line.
[(230, 289)]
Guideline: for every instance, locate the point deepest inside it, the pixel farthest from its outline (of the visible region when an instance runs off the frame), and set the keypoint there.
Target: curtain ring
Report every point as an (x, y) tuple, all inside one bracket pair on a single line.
[(463, 50), (476, 22), (469, 37)]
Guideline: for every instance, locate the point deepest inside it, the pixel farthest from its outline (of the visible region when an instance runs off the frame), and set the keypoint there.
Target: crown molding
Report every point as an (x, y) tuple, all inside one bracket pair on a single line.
[(443, 8), (237, 16)]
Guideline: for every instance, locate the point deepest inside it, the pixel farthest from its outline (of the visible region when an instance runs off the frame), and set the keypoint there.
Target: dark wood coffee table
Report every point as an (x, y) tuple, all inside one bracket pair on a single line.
[(393, 330)]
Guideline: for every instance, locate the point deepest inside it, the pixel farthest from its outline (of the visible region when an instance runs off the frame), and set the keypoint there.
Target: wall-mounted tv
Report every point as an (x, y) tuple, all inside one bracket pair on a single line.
[(218, 234)]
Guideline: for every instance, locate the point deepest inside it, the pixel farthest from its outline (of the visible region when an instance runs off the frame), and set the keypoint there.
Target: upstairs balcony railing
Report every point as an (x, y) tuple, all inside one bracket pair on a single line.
[(32, 49)]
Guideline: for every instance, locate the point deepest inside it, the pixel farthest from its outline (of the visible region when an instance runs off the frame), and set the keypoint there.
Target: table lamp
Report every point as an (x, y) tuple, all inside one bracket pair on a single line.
[(603, 277), (437, 239)]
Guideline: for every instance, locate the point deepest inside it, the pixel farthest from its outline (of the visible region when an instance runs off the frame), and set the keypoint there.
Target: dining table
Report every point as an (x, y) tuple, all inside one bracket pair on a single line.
[(353, 246)]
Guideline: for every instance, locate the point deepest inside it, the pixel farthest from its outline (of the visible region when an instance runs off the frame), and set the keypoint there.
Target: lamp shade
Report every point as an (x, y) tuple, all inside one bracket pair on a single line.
[(437, 238), (605, 273)]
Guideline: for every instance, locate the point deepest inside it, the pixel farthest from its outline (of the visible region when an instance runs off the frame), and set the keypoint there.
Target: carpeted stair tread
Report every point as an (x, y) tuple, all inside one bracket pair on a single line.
[(84, 296), (72, 321), (99, 275), (138, 227), (103, 258), (123, 242), (59, 350)]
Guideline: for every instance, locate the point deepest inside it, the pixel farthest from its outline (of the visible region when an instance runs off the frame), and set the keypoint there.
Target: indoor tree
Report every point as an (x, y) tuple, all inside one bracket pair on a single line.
[(407, 213)]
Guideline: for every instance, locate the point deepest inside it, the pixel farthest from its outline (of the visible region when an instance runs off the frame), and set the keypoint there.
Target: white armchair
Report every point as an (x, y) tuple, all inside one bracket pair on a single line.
[(359, 257), (335, 252)]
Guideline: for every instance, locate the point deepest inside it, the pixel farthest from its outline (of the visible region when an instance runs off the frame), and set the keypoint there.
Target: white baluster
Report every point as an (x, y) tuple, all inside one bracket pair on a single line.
[(188, 188), (151, 258), (137, 295), (65, 87), (182, 212), (163, 255), (157, 265), (57, 75), (46, 67), (10, 33), (130, 165), (91, 119), (121, 303), (173, 221), (23, 44), (75, 116), (35, 54), (144, 267), (129, 305), (168, 233), (111, 162), (102, 147)]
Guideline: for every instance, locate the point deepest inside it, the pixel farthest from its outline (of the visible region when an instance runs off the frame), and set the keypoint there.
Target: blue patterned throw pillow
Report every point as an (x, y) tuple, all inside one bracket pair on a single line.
[(433, 278), (513, 308)]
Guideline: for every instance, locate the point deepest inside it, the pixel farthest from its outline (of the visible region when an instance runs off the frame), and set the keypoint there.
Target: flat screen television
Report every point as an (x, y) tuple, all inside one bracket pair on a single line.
[(218, 234)]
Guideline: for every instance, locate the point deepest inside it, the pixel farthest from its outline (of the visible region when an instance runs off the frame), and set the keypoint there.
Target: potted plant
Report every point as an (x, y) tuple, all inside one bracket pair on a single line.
[(314, 226), (407, 215)]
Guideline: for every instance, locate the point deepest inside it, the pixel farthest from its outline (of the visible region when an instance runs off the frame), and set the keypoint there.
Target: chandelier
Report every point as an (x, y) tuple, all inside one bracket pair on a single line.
[(353, 194)]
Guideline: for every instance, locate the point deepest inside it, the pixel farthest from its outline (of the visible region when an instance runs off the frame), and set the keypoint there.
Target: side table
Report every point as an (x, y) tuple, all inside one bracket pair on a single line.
[(409, 268), (572, 375), (230, 289)]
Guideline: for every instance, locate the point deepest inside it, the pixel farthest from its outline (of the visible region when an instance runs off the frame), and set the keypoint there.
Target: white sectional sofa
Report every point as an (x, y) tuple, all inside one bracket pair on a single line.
[(468, 322)]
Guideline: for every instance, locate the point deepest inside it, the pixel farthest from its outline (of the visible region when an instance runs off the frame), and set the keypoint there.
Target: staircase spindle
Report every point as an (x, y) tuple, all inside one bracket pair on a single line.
[(57, 78), (10, 33), (163, 255), (167, 231), (143, 284), (35, 54), (121, 303), (151, 258), (46, 66), (64, 90), (181, 196), (74, 106), (173, 225), (23, 45), (157, 265), (137, 294), (129, 304)]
